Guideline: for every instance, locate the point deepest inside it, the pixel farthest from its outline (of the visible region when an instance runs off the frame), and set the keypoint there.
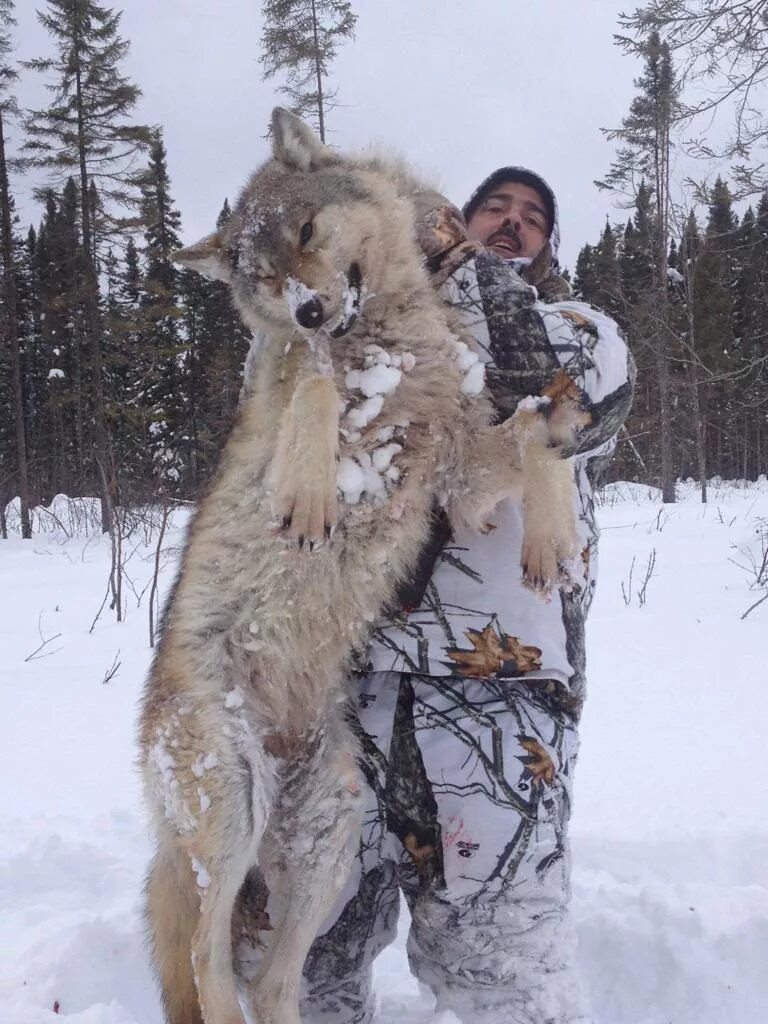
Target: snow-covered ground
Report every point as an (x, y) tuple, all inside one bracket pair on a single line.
[(670, 833)]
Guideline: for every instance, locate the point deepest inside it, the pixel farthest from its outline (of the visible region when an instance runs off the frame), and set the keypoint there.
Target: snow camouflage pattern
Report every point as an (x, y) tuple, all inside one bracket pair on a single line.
[(469, 746), (468, 612), (469, 800)]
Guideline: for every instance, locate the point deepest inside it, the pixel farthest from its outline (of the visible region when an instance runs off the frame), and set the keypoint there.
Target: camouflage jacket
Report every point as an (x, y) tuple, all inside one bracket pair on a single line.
[(470, 614)]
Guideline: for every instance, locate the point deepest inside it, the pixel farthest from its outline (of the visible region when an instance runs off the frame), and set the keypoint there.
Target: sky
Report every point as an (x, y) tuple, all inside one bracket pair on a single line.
[(459, 87)]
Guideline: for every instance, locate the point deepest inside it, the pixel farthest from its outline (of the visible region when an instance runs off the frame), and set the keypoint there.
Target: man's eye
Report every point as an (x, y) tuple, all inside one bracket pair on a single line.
[(306, 232)]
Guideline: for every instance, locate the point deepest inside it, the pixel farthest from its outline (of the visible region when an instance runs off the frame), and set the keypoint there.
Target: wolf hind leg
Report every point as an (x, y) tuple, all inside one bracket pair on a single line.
[(550, 538), (222, 851), (172, 913), (515, 460), (306, 857), (195, 881), (212, 941)]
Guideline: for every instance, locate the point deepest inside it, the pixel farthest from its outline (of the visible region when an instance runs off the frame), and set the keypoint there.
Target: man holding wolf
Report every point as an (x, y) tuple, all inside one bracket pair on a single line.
[(469, 705)]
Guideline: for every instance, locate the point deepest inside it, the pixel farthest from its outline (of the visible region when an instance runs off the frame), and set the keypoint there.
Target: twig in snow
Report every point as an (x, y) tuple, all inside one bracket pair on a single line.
[(112, 672), (31, 657)]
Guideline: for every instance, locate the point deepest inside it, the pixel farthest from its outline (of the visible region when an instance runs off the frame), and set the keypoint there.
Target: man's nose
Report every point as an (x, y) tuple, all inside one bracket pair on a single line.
[(512, 220)]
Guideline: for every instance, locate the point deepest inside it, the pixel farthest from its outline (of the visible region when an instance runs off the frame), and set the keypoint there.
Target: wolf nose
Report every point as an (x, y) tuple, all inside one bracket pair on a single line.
[(309, 314)]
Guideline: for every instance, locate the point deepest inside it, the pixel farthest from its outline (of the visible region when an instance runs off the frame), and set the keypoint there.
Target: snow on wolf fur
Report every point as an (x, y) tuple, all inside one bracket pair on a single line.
[(247, 759)]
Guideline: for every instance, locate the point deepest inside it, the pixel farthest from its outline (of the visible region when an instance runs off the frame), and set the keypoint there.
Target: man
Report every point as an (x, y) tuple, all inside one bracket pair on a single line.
[(469, 706)]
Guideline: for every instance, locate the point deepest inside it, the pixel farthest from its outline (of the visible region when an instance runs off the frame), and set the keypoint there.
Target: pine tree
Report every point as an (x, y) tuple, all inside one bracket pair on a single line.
[(300, 38), (644, 154), (686, 263), (608, 294), (585, 281), (8, 109), (218, 344), (164, 356), (63, 406), (714, 287), (750, 305), (85, 131)]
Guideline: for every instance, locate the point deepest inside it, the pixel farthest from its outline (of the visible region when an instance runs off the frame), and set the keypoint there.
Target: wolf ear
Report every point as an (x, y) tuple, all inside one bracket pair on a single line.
[(296, 145), (206, 257)]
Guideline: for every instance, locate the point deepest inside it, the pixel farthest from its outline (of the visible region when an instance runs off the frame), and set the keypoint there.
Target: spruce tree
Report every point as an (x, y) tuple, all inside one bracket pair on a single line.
[(299, 39), (585, 283), (8, 109), (645, 138), (714, 290), (218, 343), (164, 356), (608, 294)]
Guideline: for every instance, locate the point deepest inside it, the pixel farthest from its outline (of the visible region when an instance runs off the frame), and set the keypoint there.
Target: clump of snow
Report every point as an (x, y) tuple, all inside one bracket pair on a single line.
[(350, 480), (382, 372), (379, 380), (381, 457), (474, 380), (234, 699), (201, 872), (297, 294), (533, 403), (360, 416), (473, 370)]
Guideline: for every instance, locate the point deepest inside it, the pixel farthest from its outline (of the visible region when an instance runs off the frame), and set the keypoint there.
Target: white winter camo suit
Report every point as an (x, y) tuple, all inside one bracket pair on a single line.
[(468, 717)]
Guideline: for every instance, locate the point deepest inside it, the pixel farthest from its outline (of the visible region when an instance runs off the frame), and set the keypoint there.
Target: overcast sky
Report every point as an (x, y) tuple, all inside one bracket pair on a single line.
[(459, 87)]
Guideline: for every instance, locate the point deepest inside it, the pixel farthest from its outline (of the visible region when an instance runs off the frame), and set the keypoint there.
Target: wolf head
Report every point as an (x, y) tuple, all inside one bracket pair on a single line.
[(311, 235)]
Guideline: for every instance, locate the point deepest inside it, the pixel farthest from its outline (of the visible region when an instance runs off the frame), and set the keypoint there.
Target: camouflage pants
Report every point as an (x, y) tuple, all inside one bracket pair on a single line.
[(470, 787)]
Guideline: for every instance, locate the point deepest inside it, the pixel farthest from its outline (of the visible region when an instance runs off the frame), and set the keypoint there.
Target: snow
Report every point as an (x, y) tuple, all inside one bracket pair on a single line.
[(297, 294), (472, 370), (360, 416), (350, 480), (670, 827)]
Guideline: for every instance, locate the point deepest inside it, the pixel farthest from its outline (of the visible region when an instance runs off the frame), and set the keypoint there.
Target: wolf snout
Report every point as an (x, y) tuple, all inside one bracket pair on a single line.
[(309, 314)]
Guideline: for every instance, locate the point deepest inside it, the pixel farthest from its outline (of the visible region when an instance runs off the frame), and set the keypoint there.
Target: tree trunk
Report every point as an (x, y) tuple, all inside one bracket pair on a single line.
[(13, 340), (104, 468), (320, 111)]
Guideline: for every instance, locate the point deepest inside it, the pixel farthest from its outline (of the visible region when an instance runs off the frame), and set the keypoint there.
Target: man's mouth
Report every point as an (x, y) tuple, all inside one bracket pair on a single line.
[(508, 243), (352, 297)]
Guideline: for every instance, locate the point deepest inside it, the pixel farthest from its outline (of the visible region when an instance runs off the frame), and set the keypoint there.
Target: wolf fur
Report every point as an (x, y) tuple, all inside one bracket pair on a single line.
[(246, 755)]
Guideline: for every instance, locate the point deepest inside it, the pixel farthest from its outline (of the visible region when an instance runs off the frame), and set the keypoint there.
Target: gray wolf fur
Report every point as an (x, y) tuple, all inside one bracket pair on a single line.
[(246, 755)]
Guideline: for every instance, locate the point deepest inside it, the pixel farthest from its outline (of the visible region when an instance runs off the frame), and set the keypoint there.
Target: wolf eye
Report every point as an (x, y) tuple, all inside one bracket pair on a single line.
[(234, 257), (306, 232)]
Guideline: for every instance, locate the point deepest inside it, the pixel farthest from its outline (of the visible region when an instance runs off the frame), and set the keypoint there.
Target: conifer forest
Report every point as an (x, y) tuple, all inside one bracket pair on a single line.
[(120, 372)]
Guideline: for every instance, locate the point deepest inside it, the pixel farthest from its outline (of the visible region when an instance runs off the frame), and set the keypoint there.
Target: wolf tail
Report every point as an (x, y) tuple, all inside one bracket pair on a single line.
[(172, 914)]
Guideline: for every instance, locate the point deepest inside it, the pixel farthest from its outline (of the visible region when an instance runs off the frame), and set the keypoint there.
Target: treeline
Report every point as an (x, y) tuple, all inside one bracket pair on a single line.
[(120, 372), (714, 323), (171, 351)]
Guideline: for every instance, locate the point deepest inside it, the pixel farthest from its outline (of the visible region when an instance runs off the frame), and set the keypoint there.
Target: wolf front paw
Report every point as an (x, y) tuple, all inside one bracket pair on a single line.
[(302, 476), (306, 513)]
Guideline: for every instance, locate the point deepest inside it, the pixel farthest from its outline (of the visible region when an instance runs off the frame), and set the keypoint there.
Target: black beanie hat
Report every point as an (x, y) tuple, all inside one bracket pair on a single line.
[(525, 177)]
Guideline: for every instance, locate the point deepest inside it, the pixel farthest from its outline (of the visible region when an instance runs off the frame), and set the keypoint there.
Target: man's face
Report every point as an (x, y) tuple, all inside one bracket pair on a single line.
[(511, 220)]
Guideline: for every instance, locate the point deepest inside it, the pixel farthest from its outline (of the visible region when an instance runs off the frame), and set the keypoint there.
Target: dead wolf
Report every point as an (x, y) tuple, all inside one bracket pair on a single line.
[(368, 408)]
